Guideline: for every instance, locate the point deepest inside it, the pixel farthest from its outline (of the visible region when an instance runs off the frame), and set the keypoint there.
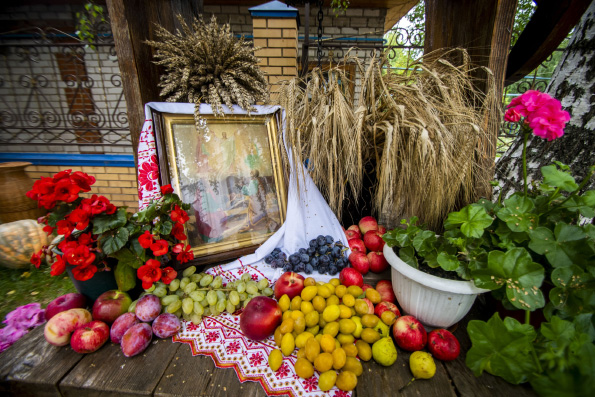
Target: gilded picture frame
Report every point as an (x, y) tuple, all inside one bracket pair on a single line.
[(229, 170)]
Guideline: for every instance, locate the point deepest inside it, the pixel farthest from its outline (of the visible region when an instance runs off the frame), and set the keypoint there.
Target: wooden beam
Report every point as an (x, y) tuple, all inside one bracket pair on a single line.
[(548, 27), (395, 13), (484, 29)]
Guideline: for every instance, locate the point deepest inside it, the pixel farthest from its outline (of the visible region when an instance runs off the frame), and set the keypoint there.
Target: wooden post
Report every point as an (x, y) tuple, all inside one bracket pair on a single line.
[(484, 29), (133, 22)]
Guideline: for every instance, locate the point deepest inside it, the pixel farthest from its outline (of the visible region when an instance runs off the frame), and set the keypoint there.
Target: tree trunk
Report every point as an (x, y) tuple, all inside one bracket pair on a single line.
[(573, 84)]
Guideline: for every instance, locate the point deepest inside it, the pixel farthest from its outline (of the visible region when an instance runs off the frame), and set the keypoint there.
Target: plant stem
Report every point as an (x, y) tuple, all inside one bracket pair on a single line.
[(525, 138), (580, 187), (527, 317)]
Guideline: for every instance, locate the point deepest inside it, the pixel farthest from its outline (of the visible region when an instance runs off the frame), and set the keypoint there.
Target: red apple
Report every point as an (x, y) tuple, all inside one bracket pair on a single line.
[(409, 334), (384, 306), (367, 223), (373, 241), (65, 302), (360, 262), (443, 345), (385, 289), (352, 234), (110, 305), (89, 337), (381, 229), (377, 262), (354, 227), (260, 318), (289, 283), (356, 244), (350, 276), (366, 286)]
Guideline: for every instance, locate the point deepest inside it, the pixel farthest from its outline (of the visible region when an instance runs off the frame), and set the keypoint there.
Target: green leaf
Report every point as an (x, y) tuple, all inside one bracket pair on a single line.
[(424, 241), (575, 204), (500, 351), (574, 291), (407, 255), (569, 383), (166, 227), (515, 270), (516, 213), (129, 258), (562, 248), (448, 262), (125, 277), (557, 178), (103, 223), (113, 240), (472, 219)]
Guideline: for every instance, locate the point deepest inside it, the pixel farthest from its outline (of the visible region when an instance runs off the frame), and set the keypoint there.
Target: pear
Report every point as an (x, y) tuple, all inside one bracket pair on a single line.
[(384, 351)]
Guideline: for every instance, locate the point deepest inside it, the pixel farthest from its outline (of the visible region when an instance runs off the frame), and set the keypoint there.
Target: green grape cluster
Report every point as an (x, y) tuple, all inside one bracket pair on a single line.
[(199, 294)]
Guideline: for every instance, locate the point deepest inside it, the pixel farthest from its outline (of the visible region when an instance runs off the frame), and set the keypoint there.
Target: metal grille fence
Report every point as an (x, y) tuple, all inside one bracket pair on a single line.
[(57, 94)]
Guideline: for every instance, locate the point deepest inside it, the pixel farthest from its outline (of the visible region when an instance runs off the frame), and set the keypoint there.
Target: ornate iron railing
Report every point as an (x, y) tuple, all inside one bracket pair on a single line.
[(57, 91)]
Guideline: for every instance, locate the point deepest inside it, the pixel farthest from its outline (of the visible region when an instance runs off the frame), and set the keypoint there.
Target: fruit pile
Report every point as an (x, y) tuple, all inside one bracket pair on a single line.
[(323, 254), (366, 244), (332, 324), (132, 324), (200, 294)]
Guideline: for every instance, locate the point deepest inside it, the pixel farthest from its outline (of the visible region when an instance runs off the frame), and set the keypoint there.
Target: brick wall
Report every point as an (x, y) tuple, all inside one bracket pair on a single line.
[(118, 184)]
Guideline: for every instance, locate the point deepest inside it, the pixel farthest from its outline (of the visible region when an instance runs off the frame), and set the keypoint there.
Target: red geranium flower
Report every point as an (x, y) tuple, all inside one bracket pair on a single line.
[(65, 227), (84, 272), (58, 266), (149, 273), (159, 247), (47, 201), (67, 245), (185, 255), (168, 275), (178, 232), (61, 175), (86, 239), (66, 191), (146, 239), (179, 215), (80, 256), (36, 259), (82, 180), (167, 189), (48, 229), (80, 218)]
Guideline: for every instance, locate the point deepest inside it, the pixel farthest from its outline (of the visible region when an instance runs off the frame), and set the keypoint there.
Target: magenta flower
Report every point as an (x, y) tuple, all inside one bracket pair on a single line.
[(25, 317), (543, 114), (18, 322)]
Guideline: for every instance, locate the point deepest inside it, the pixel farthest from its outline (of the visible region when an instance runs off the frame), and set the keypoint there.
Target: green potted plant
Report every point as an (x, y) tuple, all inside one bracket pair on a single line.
[(537, 240), (104, 247)]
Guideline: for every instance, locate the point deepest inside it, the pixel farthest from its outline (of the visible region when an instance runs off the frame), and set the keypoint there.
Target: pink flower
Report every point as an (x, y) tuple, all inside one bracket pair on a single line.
[(26, 316), (543, 114)]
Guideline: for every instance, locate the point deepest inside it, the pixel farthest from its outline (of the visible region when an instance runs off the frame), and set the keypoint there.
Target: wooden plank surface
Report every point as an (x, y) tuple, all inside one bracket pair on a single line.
[(34, 367), (108, 372), (189, 375)]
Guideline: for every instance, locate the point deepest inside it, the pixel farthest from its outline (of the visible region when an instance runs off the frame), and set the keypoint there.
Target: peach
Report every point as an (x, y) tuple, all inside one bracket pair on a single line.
[(90, 337), (59, 328)]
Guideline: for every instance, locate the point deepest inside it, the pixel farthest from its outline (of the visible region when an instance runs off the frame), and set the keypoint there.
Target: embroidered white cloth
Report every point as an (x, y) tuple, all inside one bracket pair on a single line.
[(308, 215)]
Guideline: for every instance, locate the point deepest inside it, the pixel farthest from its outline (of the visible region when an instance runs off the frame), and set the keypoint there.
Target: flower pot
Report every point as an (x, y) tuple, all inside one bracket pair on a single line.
[(434, 301), (96, 285)]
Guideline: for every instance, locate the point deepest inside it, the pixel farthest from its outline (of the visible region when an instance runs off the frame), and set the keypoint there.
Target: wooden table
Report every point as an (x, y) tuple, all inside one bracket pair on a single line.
[(33, 367)]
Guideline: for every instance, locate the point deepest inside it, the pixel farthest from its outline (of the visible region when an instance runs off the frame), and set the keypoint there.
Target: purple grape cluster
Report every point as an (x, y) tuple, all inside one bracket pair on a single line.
[(324, 255)]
